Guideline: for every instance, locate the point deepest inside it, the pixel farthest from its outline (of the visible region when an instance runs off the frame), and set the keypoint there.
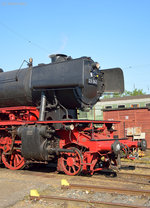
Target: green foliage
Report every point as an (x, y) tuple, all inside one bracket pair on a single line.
[(107, 96), (115, 95), (135, 92)]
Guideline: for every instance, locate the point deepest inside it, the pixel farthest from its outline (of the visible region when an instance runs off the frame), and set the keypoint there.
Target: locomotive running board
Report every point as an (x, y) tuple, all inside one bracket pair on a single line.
[(113, 80)]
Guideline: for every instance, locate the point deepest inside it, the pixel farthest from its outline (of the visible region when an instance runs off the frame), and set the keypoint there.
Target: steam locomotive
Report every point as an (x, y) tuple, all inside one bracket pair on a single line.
[(38, 116)]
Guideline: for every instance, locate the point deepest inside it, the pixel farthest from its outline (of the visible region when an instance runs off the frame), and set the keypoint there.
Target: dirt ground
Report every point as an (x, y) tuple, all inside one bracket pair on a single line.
[(15, 186)]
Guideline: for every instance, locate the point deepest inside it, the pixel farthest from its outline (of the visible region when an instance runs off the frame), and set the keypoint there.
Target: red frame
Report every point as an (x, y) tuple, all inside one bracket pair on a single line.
[(96, 142)]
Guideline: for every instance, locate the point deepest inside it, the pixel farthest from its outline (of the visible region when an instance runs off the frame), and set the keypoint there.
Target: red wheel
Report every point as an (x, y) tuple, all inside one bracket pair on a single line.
[(72, 162), (15, 161)]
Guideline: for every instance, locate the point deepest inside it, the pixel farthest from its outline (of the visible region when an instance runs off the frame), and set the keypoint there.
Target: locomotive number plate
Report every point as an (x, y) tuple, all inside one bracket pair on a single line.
[(92, 81)]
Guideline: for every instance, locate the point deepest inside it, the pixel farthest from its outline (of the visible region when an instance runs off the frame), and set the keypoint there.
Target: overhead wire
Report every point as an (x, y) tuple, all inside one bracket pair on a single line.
[(24, 38), (47, 51), (136, 66)]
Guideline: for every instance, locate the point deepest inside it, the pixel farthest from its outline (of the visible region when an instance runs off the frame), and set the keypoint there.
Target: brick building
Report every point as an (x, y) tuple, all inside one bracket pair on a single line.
[(133, 112)]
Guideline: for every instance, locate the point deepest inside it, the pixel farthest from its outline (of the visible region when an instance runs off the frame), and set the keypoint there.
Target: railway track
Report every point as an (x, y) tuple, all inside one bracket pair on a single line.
[(123, 177), (121, 191), (134, 175), (105, 188), (134, 166), (109, 189), (108, 204), (92, 189)]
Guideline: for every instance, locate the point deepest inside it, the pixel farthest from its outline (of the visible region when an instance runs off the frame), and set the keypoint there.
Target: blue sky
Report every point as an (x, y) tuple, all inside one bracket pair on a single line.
[(116, 33)]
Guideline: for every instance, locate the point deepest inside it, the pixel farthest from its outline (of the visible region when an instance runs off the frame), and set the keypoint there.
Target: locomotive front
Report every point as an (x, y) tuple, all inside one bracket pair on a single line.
[(75, 83)]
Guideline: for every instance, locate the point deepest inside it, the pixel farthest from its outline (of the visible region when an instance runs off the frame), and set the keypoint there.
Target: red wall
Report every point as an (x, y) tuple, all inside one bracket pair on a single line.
[(130, 118)]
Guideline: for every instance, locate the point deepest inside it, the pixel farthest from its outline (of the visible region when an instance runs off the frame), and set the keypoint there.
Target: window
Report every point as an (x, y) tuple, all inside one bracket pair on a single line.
[(148, 105), (108, 107), (121, 106), (135, 106)]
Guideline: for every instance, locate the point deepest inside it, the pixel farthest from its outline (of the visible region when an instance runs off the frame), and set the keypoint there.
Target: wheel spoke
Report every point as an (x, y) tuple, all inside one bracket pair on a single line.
[(69, 169), (77, 165), (14, 161), (73, 168), (19, 156), (18, 159), (71, 162), (11, 157)]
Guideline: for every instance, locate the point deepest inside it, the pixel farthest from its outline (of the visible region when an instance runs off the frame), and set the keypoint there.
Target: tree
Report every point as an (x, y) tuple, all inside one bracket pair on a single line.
[(135, 92)]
